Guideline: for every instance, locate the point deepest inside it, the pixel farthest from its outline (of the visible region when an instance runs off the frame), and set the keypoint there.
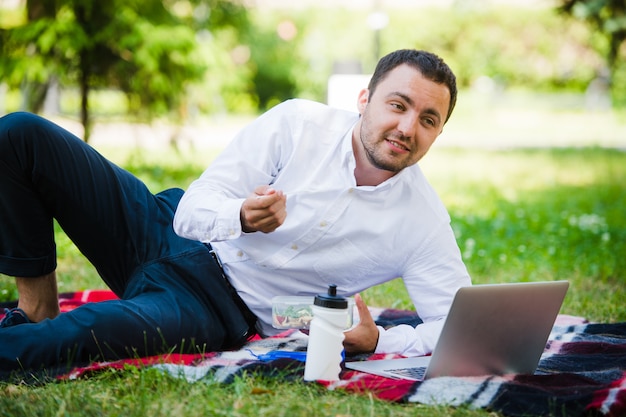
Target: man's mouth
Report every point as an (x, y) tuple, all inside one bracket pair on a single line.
[(398, 145)]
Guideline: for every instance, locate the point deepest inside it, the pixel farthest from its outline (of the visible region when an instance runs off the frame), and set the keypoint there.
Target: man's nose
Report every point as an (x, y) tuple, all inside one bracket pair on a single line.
[(407, 125)]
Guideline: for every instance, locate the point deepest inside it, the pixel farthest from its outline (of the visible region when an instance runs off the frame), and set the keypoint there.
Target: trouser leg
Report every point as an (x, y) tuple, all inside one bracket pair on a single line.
[(157, 321), (123, 229), (46, 173)]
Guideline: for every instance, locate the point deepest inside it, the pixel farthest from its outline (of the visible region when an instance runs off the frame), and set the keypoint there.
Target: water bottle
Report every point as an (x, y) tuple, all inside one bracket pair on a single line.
[(324, 352)]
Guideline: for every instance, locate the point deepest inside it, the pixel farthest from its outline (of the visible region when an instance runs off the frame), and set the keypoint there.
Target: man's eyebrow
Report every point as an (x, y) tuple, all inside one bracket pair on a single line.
[(434, 113), (403, 96), (410, 102)]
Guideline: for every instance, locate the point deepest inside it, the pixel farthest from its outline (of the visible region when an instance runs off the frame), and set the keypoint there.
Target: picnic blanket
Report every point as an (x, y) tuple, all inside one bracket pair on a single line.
[(582, 371)]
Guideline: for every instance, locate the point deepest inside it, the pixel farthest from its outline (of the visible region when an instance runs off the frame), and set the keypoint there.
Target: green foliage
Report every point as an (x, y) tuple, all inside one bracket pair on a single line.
[(271, 61), (225, 86), (139, 47), (163, 62), (608, 18), (527, 48), (535, 49)]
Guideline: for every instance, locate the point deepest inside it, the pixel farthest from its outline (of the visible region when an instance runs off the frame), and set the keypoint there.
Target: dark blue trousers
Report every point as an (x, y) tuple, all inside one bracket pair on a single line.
[(172, 294)]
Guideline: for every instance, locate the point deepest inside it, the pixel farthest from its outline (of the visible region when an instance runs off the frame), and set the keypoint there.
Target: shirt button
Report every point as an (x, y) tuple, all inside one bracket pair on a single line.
[(240, 254), (231, 232), (323, 223), (294, 247)]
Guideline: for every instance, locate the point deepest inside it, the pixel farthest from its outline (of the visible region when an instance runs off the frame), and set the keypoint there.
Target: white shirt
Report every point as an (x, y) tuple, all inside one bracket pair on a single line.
[(335, 232)]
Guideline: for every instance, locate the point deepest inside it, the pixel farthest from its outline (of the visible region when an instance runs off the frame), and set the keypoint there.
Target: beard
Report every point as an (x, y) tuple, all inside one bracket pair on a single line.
[(377, 153)]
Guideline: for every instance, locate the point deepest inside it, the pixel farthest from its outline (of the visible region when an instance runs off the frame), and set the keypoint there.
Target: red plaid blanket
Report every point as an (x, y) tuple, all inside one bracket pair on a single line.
[(582, 372)]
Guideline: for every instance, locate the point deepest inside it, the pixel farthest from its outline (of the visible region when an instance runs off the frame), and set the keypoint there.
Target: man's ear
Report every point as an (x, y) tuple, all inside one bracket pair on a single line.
[(362, 100)]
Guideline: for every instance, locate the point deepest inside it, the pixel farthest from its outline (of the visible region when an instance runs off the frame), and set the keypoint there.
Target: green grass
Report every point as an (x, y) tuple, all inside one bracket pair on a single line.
[(152, 393), (519, 215)]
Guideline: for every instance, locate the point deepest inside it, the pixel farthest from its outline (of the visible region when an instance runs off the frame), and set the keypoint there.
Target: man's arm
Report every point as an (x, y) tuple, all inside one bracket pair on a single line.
[(233, 194), (432, 279)]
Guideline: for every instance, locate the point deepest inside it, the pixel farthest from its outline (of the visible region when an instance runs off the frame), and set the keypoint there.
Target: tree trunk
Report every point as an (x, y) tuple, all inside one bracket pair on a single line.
[(34, 93), (84, 96)]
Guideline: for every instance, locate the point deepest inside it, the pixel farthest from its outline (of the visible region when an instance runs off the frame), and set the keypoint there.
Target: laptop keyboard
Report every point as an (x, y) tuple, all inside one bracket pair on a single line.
[(412, 373)]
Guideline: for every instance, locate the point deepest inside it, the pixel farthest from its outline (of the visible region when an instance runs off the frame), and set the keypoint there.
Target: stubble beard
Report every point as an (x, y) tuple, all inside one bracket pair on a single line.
[(375, 155)]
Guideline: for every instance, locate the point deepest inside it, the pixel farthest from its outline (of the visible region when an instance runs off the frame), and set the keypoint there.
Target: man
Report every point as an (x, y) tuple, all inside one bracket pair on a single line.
[(304, 197)]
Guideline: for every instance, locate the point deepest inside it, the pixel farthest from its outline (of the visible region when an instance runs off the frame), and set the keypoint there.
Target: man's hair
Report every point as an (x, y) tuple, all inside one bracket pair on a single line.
[(428, 64)]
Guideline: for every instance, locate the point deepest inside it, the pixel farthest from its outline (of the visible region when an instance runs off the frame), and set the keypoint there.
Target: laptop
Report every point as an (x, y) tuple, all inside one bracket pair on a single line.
[(491, 329)]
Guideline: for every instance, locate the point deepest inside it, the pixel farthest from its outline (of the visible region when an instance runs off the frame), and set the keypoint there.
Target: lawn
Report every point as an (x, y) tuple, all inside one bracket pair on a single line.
[(519, 215)]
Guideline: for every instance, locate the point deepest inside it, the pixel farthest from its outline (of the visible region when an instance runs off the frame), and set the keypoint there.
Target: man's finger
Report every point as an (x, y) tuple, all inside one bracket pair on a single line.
[(364, 312)]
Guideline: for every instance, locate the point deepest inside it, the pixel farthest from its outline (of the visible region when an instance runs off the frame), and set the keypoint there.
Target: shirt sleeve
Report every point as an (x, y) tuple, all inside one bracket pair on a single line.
[(409, 341), (432, 279), (210, 209)]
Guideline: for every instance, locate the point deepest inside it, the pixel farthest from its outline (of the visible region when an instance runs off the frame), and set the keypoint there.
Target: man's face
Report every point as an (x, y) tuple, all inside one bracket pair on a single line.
[(402, 118)]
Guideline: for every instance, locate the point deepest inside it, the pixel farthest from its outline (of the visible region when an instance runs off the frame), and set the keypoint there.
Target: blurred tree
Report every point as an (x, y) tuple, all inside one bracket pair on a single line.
[(273, 56), (146, 48), (609, 17)]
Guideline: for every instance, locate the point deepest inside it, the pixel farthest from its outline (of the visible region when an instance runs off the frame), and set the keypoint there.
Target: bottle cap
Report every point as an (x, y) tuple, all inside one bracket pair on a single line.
[(331, 300)]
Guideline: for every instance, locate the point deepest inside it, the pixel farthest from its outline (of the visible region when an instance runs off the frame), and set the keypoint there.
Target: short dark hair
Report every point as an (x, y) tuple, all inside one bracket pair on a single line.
[(430, 65)]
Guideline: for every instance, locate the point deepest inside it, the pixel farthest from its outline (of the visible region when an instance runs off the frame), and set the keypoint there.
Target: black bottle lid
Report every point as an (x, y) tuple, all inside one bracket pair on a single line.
[(331, 300)]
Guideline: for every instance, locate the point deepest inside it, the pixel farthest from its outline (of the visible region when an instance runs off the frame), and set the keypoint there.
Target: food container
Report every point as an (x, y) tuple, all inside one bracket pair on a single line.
[(294, 312)]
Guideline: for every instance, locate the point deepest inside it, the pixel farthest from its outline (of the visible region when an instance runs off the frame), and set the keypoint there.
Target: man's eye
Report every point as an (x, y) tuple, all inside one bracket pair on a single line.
[(430, 122), (397, 106)]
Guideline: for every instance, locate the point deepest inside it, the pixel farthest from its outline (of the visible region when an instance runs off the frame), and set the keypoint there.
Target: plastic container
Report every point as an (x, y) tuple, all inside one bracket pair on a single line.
[(296, 312), (324, 352)]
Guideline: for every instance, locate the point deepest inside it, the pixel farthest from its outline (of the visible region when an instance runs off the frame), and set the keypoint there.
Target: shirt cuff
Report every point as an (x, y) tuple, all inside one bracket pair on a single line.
[(409, 341), (228, 221)]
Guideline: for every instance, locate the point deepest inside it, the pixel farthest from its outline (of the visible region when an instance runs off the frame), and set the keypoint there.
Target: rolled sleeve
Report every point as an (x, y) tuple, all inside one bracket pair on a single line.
[(208, 224), (409, 341)]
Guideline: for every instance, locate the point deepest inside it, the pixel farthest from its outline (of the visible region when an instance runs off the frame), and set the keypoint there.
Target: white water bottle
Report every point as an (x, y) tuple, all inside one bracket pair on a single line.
[(324, 352)]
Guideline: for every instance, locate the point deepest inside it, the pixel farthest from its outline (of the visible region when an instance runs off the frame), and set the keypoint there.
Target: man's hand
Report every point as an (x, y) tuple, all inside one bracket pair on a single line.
[(264, 210), (364, 337)]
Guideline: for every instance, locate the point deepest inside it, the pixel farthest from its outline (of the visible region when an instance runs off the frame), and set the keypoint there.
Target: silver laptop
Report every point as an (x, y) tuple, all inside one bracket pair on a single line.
[(491, 329)]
